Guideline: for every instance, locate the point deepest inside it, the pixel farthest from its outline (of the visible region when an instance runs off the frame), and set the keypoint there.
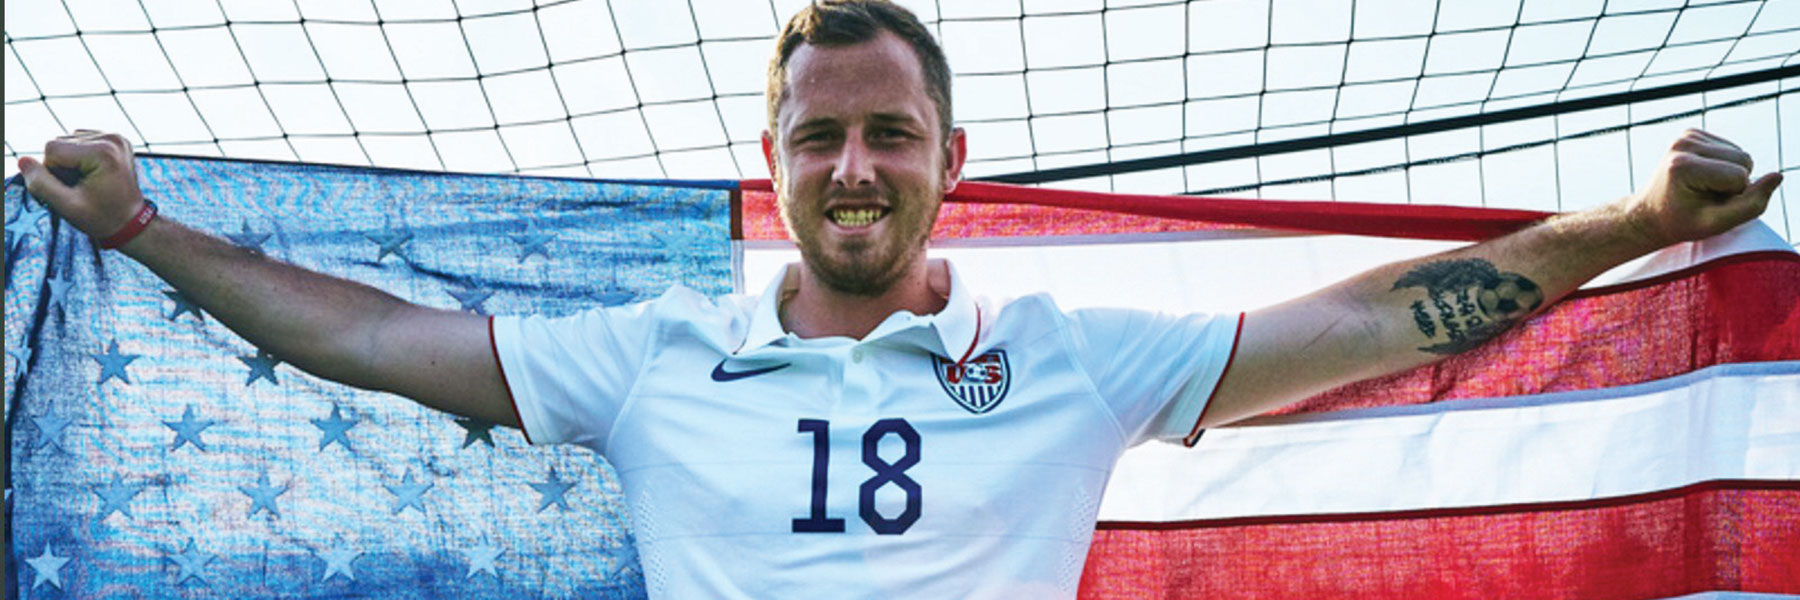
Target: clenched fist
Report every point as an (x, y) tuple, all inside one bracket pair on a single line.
[(1701, 189), (107, 196)]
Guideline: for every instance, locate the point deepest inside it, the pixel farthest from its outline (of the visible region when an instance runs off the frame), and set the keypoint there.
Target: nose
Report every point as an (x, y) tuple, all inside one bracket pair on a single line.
[(854, 168)]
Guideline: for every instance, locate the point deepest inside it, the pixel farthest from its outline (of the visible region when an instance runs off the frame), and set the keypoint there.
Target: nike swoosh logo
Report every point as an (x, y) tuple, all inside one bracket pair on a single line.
[(721, 375)]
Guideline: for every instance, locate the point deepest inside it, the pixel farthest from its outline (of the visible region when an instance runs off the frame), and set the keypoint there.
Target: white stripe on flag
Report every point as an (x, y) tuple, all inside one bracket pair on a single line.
[(1737, 421), (1208, 272)]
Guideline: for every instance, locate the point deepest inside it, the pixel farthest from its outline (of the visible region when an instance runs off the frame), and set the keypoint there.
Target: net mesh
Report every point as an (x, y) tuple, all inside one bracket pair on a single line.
[(1260, 98), (674, 89)]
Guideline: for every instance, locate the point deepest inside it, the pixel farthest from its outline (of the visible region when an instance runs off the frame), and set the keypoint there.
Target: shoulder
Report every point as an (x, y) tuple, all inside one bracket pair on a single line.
[(1094, 331), (1029, 307), (678, 308), (681, 302), (1039, 313), (1022, 319), (1042, 309), (715, 319)]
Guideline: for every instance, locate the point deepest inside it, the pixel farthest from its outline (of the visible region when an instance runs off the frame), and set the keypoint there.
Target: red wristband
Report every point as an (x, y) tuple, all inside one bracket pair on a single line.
[(132, 228)]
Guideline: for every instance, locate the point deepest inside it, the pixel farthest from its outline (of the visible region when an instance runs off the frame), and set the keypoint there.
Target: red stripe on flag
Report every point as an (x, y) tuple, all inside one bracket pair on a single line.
[(1738, 309), (978, 210), (1733, 535)]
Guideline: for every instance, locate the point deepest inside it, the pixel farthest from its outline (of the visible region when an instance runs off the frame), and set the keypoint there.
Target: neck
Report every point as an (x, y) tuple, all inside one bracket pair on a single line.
[(817, 310)]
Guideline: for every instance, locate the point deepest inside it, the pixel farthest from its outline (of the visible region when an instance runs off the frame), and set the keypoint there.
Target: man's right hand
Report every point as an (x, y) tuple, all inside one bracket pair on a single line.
[(107, 196)]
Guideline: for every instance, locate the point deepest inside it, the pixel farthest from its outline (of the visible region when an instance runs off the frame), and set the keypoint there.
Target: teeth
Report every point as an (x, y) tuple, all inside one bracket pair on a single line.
[(855, 217)]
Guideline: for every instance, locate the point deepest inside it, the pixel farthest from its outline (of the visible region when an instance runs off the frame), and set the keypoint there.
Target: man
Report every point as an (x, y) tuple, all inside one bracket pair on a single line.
[(868, 427)]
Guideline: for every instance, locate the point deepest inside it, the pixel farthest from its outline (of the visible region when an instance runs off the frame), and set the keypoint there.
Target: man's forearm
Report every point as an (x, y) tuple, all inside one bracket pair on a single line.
[(1402, 315), (1413, 312), (1449, 303), (334, 328), (318, 323)]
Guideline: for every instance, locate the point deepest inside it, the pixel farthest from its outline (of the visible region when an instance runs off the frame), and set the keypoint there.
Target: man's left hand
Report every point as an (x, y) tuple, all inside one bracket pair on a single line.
[(1702, 188)]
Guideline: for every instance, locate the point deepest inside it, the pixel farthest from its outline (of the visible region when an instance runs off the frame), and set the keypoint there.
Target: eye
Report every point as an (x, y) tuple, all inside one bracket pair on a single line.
[(813, 137), (891, 134)]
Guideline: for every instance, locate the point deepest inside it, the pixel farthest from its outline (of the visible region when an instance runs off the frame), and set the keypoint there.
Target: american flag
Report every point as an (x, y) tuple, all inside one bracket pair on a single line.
[(1638, 440), (155, 453)]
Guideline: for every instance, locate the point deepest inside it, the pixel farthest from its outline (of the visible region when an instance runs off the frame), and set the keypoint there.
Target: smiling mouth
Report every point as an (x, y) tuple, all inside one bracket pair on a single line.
[(856, 217)]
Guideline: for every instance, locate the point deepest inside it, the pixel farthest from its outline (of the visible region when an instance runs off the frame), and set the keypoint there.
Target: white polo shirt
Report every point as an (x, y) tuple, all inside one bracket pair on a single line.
[(955, 455)]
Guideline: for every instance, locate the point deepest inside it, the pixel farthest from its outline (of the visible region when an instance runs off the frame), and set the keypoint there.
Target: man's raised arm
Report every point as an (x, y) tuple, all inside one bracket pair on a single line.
[(337, 329), (1410, 313)]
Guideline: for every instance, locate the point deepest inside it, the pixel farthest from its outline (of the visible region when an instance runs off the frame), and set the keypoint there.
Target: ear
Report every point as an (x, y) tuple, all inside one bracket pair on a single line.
[(956, 150), (768, 147)]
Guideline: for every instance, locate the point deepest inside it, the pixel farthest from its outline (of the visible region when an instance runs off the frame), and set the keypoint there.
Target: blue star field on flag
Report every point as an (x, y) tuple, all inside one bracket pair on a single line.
[(533, 243), (552, 491), (390, 240), (247, 239), (337, 563), (49, 568), (262, 495), (478, 430), (481, 559), (116, 496), (335, 430), (21, 356), (191, 561), (22, 225), (49, 431), (471, 300), (187, 430), (113, 363), (262, 366), (59, 289), (155, 453), (408, 493), (183, 305)]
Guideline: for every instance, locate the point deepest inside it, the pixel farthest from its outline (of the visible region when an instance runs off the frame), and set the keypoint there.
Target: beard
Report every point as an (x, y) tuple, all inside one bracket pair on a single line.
[(865, 266), (861, 269)]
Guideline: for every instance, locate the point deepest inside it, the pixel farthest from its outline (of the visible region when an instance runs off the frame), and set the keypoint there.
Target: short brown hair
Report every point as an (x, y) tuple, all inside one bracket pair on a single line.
[(849, 22)]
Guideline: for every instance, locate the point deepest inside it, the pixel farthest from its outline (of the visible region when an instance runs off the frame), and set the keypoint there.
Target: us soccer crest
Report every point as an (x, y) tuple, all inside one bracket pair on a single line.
[(978, 384)]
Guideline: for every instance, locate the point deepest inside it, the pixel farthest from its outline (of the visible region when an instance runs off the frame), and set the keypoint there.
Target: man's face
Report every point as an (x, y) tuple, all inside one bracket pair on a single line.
[(859, 161)]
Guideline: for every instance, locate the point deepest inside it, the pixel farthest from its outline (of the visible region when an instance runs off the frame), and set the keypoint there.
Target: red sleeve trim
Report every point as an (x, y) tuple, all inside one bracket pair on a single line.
[(1193, 437), (504, 383)]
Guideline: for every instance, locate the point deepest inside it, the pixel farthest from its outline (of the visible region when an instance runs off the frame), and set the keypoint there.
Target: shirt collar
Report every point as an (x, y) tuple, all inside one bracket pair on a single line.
[(765, 321), (954, 331)]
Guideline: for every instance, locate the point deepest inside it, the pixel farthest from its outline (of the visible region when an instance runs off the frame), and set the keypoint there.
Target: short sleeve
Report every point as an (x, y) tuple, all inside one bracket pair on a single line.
[(569, 376), (1155, 371)]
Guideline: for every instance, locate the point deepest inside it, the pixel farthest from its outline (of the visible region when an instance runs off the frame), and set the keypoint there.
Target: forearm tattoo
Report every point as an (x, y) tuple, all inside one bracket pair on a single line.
[(1468, 302)]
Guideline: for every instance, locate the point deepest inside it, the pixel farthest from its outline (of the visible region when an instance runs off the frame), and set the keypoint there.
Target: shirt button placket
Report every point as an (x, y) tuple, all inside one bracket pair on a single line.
[(859, 382)]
